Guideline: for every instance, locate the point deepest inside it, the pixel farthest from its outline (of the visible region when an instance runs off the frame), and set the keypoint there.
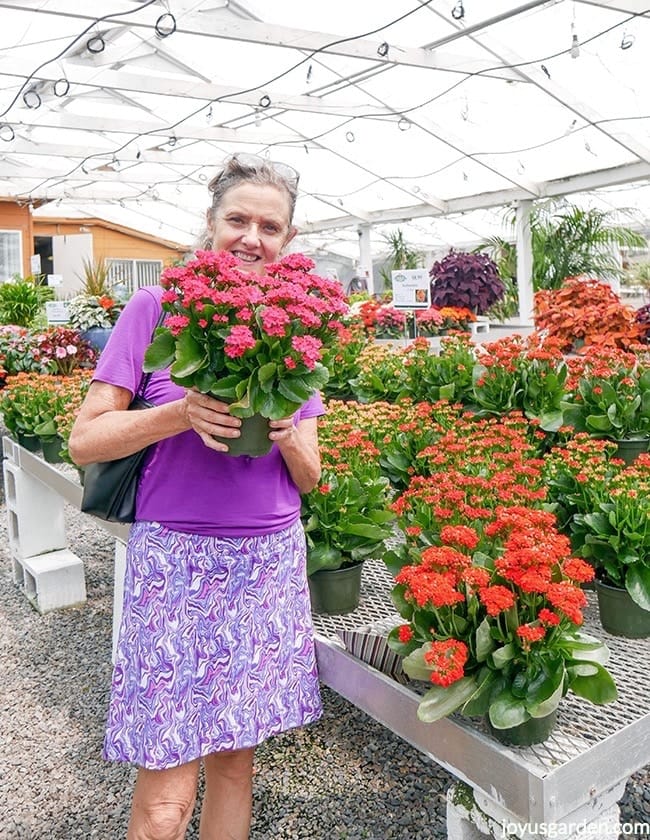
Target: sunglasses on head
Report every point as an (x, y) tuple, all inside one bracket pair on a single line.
[(254, 163)]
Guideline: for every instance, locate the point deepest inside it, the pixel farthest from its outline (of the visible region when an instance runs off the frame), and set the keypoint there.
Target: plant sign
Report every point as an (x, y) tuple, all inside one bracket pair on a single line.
[(411, 288)]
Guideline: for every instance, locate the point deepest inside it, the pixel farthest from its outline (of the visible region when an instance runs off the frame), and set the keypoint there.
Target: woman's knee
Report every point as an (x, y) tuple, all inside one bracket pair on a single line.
[(163, 802), (237, 764), (161, 821)]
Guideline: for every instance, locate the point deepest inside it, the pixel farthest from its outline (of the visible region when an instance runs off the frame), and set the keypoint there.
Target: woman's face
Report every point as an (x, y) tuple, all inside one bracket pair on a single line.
[(252, 222)]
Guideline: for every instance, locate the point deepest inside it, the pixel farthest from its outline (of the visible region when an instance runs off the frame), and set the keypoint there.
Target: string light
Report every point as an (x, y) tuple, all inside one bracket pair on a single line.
[(382, 49), (265, 101), (7, 134), (575, 44), (96, 44), (545, 70), (32, 99), (309, 72), (208, 115), (626, 41), (61, 87), (404, 124), (349, 136), (458, 12), (165, 25)]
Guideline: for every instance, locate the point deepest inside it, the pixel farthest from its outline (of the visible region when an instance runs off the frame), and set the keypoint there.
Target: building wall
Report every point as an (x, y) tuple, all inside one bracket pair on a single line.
[(111, 244), (15, 217)]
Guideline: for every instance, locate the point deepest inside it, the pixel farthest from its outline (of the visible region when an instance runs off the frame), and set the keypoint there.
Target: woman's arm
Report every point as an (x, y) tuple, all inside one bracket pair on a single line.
[(106, 429)]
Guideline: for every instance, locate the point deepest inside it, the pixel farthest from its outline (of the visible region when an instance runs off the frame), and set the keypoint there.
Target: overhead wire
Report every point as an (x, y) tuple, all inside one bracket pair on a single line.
[(392, 113)]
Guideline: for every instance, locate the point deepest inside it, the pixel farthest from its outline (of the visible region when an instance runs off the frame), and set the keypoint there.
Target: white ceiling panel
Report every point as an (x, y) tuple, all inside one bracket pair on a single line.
[(406, 112)]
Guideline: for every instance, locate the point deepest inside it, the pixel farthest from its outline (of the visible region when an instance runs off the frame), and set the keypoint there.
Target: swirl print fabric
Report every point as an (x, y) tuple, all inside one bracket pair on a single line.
[(216, 646)]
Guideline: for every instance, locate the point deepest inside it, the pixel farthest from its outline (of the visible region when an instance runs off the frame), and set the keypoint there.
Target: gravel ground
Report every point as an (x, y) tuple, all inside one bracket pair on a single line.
[(344, 777)]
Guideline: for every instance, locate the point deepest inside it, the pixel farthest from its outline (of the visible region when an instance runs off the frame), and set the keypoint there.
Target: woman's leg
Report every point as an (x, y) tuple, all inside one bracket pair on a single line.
[(228, 800), (163, 801)]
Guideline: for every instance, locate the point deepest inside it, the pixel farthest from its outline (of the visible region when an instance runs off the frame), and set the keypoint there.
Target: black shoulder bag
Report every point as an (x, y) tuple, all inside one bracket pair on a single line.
[(110, 487)]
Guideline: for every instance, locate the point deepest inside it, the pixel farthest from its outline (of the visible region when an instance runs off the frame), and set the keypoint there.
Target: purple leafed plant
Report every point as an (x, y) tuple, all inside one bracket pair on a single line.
[(469, 280)]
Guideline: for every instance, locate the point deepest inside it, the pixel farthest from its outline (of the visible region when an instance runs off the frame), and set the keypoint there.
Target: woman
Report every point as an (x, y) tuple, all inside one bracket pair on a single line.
[(216, 646)]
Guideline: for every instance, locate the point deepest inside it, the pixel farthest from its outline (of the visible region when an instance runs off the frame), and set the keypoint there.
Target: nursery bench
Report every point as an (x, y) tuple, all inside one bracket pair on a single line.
[(570, 785)]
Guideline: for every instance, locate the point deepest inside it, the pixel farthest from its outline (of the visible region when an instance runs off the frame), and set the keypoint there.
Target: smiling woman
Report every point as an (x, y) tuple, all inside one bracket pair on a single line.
[(219, 541)]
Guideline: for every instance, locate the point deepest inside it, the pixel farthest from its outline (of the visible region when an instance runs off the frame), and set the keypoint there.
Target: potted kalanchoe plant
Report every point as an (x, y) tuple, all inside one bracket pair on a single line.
[(489, 589), (496, 632), (609, 397), (346, 518), (466, 280), (253, 341)]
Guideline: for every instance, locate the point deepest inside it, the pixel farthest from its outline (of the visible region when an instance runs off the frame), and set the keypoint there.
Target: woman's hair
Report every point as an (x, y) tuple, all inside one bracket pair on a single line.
[(251, 169)]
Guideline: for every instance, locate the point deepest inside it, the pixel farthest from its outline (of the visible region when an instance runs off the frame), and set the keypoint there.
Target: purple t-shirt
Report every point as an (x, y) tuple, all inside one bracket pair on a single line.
[(183, 484)]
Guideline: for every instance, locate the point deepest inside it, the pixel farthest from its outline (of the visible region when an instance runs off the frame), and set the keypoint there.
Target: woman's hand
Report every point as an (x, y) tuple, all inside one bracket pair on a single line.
[(209, 416)]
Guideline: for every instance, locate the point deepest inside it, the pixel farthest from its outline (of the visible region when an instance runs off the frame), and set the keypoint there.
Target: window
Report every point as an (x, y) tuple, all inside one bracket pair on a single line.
[(11, 254), (134, 273)]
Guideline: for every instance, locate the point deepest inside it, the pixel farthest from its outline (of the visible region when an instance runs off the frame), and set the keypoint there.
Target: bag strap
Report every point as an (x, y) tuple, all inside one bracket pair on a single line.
[(144, 381)]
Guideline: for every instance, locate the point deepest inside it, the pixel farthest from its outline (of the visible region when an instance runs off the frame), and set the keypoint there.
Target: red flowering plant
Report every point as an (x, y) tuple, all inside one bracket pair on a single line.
[(346, 517), (605, 506), (496, 631), (390, 322), (487, 584), (525, 374), (610, 396), (255, 341), (414, 373), (64, 350)]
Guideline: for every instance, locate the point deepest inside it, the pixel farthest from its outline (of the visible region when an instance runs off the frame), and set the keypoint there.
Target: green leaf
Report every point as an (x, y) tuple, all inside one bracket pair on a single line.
[(599, 688), (414, 665), (598, 423), (294, 390), (160, 353), (484, 641), (637, 583), (479, 702), (501, 656), (323, 557), (190, 356), (506, 711), (551, 701), (439, 702)]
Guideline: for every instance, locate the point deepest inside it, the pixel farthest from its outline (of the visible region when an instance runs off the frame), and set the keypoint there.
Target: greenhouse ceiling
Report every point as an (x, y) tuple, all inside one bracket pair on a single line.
[(431, 115)]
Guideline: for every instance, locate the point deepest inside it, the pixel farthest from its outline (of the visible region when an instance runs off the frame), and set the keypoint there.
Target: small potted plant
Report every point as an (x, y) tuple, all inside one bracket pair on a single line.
[(390, 323), (605, 506), (610, 398), (346, 517), (466, 280), (254, 341)]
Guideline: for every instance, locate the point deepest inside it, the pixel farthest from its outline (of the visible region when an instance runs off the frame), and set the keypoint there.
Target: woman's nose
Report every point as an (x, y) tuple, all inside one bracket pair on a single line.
[(252, 233)]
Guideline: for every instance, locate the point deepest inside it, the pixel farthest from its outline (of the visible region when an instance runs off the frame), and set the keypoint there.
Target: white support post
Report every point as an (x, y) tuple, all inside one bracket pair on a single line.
[(524, 263), (471, 815), (365, 257)]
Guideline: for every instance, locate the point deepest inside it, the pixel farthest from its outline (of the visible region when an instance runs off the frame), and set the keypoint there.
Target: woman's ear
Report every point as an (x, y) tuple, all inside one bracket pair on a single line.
[(210, 223), (292, 232)]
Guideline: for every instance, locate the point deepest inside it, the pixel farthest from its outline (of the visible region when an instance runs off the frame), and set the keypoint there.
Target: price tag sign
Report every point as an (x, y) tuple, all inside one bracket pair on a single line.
[(411, 288), (57, 311)]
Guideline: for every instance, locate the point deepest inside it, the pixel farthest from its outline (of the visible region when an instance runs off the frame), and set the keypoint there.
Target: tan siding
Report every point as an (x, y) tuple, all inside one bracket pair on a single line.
[(14, 217)]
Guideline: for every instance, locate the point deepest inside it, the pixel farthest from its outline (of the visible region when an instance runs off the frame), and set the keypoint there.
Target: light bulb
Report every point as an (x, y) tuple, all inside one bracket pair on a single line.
[(575, 46)]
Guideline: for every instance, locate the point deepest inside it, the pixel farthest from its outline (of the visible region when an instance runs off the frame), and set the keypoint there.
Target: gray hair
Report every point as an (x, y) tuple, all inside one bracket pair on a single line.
[(244, 168)]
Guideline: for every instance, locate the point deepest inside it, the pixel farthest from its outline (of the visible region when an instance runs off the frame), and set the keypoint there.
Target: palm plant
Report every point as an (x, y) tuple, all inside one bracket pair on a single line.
[(568, 241), (400, 255)]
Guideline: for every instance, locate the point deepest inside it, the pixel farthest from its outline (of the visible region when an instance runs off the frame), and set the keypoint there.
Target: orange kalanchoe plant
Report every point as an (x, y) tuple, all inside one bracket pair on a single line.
[(496, 632), (488, 588)]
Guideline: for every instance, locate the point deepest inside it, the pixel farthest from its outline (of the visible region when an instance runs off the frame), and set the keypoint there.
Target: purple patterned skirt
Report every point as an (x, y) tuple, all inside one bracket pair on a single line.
[(216, 645)]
